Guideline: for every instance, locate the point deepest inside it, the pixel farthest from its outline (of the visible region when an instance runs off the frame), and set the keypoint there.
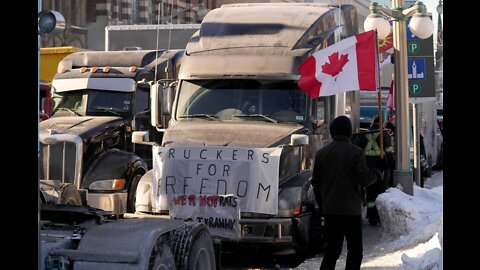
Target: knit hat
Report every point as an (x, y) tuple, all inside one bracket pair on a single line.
[(341, 126)]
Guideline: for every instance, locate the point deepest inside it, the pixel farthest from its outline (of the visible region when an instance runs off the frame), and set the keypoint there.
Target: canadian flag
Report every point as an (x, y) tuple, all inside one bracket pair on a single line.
[(350, 64)]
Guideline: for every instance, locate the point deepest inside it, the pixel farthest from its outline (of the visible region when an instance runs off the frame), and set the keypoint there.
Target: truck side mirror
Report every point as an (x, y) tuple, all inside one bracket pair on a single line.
[(298, 139), (156, 99), (168, 96), (141, 137)]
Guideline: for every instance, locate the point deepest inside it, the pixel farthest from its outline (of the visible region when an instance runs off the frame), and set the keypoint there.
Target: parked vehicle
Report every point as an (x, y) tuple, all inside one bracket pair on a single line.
[(432, 137), (82, 237), (100, 98), (239, 91), (367, 113)]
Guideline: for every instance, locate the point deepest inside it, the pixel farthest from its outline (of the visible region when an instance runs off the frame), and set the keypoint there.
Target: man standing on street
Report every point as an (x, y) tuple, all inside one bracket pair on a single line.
[(339, 174), (370, 142)]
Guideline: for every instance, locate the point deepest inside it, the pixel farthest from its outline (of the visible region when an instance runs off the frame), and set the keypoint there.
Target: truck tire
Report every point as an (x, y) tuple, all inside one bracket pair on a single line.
[(69, 194), (161, 257), (132, 192), (193, 247)]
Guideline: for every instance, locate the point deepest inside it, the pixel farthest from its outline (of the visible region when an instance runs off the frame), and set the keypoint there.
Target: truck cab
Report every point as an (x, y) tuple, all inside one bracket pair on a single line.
[(100, 99)]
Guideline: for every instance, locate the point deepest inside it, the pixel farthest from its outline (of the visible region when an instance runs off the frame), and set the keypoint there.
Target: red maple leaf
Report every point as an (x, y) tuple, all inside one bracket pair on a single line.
[(335, 65)]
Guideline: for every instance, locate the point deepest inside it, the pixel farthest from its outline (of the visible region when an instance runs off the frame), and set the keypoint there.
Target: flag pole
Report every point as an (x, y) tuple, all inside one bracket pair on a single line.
[(380, 121)]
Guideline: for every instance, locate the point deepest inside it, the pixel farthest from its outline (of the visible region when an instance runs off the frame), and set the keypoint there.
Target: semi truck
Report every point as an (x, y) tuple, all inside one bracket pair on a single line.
[(237, 93), (100, 99)]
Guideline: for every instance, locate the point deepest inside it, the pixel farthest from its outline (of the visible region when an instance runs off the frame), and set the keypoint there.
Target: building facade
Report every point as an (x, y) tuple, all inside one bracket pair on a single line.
[(86, 19)]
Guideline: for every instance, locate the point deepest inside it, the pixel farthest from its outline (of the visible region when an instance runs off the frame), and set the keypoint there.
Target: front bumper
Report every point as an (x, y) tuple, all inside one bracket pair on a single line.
[(276, 236), (266, 230), (114, 202)]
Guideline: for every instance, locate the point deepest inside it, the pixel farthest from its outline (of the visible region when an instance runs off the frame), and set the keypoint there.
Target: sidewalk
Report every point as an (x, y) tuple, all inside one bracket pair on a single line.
[(386, 251)]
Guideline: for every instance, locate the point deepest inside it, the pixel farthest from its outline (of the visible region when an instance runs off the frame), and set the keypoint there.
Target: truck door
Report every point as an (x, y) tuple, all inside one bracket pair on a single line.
[(141, 122)]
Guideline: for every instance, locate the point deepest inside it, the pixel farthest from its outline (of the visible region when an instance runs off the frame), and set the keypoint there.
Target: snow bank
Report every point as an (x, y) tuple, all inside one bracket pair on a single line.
[(440, 239), (423, 256), (428, 261), (415, 219)]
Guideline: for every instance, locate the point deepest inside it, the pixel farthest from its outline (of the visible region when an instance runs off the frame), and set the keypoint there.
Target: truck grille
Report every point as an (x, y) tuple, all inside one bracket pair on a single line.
[(57, 161)]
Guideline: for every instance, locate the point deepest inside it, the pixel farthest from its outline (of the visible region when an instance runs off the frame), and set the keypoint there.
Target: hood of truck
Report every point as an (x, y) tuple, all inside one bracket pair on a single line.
[(238, 134), (83, 126)]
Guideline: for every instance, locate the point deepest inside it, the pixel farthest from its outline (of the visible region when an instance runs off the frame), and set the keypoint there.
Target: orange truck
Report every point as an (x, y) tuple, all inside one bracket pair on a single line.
[(49, 59)]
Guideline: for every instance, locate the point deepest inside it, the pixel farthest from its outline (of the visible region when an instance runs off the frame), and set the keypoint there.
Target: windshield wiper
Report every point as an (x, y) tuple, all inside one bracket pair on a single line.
[(199, 115), (105, 109), (256, 115), (70, 111)]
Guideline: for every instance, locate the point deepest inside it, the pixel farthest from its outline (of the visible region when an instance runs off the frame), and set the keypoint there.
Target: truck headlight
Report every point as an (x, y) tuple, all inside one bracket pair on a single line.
[(289, 201), (107, 185)]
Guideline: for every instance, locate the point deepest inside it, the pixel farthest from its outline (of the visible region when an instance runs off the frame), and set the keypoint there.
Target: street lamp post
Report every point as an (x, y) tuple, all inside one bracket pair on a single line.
[(421, 26)]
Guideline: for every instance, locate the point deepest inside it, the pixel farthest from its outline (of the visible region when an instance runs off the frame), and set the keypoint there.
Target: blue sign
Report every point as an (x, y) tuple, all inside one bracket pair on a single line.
[(416, 69)]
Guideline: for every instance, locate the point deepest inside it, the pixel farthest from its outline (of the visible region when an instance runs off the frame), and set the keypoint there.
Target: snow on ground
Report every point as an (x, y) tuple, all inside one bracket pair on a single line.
[(411, 235), (415, 219)]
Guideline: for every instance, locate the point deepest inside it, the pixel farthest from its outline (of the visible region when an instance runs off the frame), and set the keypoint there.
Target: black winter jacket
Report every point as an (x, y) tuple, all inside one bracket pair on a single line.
[(339, 174)]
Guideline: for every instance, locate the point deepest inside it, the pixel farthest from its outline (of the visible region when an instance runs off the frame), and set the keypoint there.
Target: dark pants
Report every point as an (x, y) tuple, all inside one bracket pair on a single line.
[(336, 228), (373, 191)]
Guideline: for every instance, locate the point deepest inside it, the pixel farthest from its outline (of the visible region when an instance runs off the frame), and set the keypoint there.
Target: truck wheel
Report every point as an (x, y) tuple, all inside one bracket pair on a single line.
[(193, 247), (69, 195), (161, 257), (132, 193)]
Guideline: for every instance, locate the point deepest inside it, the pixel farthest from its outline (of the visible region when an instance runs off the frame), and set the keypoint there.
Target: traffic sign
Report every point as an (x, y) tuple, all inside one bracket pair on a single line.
[(416, 68), (413, 47), (421, 77), (415, 88)]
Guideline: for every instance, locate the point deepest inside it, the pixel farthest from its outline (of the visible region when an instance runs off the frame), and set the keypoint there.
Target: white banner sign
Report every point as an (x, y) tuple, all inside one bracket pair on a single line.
[(250, 174), (220, 213)]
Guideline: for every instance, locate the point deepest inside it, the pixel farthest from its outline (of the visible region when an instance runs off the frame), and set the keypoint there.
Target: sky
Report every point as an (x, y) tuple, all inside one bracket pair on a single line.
[(410, 240)]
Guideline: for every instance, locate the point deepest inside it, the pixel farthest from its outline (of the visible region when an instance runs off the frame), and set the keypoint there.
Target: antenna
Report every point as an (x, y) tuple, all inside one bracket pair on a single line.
[(169, 39), (158, 37)]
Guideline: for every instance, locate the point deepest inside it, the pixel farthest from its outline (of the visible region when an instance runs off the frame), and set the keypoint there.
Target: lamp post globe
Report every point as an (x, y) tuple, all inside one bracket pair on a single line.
[(421, 25), (378, 22)]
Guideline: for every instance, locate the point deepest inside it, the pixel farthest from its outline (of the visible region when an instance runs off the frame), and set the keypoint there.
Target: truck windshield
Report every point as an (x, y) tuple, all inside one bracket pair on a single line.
[(93, 102), (241, 100)]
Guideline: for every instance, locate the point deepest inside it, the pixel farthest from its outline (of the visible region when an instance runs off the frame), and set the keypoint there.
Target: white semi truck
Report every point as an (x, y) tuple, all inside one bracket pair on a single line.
[(236, 107)]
